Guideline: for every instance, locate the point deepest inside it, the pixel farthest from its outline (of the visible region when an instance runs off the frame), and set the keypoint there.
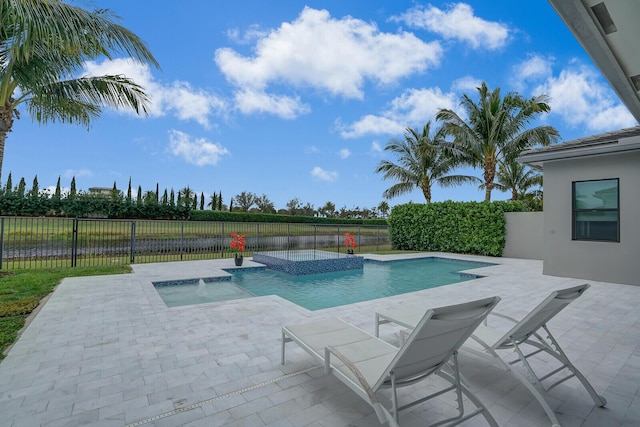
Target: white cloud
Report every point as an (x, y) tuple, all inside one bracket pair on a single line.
[(251, 35), (250, 101), (196, 151), (324, 175), (70, 173), (312, 149), (327, 54), (534, 68), (376, 148), (414, 107), (581, 99), (458, 22), (466, 84), (178, 98), (51, 190), (344, 153)]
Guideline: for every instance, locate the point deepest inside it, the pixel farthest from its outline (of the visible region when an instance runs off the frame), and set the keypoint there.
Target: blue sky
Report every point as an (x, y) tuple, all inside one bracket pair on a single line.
[(297, 100)]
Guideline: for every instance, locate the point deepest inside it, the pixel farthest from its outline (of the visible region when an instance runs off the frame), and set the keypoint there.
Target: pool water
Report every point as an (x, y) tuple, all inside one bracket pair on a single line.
[(324, 290)]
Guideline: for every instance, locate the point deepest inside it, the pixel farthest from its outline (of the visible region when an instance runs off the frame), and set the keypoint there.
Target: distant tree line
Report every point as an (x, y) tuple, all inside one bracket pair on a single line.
[(250, 202), (100, 203), (153, 204)]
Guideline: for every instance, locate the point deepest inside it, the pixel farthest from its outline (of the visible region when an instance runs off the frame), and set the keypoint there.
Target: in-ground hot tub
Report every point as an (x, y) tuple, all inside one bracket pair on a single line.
[(309, 261)]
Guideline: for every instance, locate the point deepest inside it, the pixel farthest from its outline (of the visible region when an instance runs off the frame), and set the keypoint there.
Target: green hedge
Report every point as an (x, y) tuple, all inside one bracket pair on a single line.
[(262, 217), (456, 227)]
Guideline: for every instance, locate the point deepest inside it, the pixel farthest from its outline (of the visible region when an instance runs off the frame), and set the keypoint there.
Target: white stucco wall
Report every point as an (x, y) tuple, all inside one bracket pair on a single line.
[(617, 262), (524, 235)]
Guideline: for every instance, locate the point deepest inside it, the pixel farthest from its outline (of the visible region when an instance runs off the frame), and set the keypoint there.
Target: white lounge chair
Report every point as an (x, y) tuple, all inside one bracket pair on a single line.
[(367, 364), (526, 335)]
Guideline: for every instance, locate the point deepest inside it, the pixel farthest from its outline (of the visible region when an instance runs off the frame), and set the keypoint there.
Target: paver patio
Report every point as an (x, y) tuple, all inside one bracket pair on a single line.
[(107, 351)]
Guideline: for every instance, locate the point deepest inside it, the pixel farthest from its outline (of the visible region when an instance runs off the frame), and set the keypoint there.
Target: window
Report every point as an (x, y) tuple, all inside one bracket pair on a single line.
[(596, 210)]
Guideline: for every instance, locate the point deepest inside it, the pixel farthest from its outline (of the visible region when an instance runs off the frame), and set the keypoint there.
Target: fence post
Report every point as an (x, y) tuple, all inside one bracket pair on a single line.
[(181, 239), (132, 258), (74, 243), (1, 241), (315, 236)]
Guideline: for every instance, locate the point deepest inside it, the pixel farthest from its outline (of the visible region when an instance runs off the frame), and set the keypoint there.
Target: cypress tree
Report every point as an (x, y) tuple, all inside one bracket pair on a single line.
[(194, 205), (9, 188), (21, 187), (129, 192), (72, 190), (139, 198), (35, 188), (220, 201), (231, 206), (58, 194), (172, 200), (157, 192), (202, 201), (165, 198)]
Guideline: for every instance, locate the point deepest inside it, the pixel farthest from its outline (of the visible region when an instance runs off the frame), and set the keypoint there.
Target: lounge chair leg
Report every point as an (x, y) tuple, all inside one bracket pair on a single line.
[(283, 341), (394, 398), (562, 357), (536, 392)]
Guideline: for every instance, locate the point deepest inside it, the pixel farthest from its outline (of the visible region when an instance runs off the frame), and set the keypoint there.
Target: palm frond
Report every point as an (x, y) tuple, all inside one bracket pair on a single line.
[(79, 100)]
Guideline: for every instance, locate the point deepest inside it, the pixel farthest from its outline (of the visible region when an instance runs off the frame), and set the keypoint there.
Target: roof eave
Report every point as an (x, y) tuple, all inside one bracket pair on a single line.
[(537, 159), (579, 21)]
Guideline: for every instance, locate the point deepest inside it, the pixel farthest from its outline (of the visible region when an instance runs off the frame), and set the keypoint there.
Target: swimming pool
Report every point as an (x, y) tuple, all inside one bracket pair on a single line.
[(319, 291)]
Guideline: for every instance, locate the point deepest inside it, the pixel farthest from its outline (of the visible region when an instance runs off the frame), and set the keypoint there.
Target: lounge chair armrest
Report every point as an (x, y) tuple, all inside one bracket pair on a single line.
[(503, 316), (328, 350), (480, 341)]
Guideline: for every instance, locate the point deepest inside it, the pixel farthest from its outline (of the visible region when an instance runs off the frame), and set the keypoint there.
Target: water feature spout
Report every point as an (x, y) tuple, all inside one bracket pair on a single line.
[(202, 289)]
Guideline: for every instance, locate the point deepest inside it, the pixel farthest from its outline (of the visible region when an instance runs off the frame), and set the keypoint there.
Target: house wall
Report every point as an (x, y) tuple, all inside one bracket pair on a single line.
[(524, 235), (617, 262)]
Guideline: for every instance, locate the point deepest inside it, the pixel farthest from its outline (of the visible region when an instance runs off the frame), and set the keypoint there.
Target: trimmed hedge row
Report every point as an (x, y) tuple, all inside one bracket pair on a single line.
[(263, 217), (458, 227)]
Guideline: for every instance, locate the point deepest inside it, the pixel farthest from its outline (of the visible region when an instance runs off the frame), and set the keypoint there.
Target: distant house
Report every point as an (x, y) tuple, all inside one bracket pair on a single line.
[(592, 206), (103, 191)]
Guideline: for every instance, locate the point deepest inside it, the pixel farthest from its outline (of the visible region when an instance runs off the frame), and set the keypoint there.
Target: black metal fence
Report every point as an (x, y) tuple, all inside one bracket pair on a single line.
[(28, 242)]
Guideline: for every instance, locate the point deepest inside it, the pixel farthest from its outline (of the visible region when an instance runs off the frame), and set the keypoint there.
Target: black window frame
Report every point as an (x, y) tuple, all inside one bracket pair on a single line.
[(575, 211)]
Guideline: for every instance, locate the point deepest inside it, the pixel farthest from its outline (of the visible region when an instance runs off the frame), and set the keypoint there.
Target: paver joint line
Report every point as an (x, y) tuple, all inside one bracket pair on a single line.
[(233, 393)]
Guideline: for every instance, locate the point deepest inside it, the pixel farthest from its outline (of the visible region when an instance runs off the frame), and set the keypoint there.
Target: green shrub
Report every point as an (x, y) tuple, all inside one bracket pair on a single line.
[(456, 227)]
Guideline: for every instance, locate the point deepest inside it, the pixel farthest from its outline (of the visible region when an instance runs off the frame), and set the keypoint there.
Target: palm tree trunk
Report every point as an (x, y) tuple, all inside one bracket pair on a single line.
[(426, 190), (6, 123), (489, 176)]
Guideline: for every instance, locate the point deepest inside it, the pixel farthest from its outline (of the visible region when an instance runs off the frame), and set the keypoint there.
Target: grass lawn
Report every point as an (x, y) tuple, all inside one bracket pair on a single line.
[(22, 290)]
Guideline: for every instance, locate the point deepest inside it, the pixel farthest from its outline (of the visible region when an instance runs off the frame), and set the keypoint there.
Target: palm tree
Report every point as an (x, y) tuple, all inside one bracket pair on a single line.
[(422, 162), (383, 208), (184, 196), (44, 45), (496, 130), (514, 177)]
